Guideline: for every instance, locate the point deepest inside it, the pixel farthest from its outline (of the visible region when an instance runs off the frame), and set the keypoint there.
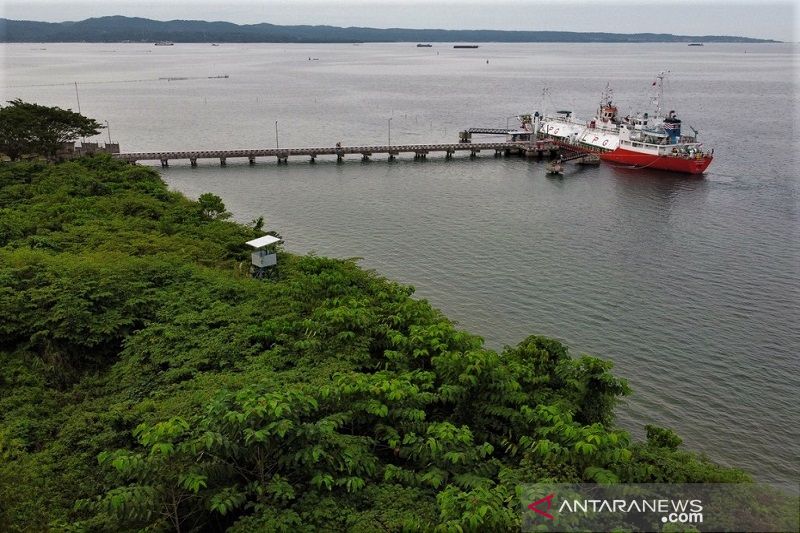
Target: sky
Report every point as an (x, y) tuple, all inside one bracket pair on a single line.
[(769, 19)]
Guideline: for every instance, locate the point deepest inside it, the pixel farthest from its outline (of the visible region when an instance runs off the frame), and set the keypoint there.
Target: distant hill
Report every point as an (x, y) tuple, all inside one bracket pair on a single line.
[(118, 29)]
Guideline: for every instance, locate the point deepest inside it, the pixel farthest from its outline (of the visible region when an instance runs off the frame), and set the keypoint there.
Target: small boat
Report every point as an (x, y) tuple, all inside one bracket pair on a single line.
[(424, 45), (465, 46), (214, 44), (555, 168), (695, 44), (164, 43)]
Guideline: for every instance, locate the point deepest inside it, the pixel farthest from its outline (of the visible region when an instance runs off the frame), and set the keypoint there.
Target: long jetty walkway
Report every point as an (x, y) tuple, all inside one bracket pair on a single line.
[(536, 148)]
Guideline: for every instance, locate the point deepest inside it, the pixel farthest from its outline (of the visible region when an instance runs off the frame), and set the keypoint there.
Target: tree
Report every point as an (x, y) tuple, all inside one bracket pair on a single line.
[(211, 207), (33, 129)]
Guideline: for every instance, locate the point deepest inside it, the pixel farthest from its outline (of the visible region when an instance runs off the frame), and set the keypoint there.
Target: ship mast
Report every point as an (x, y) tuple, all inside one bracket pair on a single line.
[(605, 99), (545, 98), (659, 84)]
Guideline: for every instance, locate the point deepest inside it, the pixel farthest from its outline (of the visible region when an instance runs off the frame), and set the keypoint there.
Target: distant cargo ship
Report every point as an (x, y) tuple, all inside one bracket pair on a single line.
[(466, 46), (164, 43), (695, 44), (424, 45), (641, 140)]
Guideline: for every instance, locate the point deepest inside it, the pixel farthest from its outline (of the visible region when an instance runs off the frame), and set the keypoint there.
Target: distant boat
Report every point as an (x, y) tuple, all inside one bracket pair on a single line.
[(695, 44), (214, 44), (164, 43), (465, 46), (424, 45)]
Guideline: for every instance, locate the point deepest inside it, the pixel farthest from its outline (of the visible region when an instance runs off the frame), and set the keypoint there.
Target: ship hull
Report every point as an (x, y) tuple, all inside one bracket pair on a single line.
[(660, 162)]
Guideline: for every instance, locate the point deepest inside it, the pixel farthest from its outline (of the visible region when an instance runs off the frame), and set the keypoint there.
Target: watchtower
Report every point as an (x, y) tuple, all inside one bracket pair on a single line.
[(264, 256)]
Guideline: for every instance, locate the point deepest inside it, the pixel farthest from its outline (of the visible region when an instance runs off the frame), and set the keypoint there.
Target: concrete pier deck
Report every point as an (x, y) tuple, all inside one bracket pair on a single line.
[(420, 151)]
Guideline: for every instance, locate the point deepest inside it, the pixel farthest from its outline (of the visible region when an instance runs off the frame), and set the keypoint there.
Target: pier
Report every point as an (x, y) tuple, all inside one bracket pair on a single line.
[(536, 148)]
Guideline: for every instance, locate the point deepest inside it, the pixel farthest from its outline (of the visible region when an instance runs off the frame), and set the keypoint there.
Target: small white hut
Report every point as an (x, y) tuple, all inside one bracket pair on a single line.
[(264, 255)]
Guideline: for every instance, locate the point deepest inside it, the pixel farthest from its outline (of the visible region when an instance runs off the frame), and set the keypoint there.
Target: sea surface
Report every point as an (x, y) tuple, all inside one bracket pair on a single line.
[(691, 286)]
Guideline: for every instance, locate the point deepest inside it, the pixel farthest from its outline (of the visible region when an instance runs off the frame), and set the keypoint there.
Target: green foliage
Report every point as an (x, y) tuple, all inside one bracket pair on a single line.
[(212, 208), (33, 129), (148, 383), (662, 438)]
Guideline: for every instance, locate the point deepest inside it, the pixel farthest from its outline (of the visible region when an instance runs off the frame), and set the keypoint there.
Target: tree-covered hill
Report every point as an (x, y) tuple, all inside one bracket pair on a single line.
[(136, 29), (146, 381)]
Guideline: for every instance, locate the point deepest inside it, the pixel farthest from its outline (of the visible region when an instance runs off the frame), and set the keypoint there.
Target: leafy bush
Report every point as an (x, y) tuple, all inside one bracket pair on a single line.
[(147, 382)]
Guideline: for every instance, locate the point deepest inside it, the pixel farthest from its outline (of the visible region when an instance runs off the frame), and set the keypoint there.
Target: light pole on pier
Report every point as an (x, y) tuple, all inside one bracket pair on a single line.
[(276, 135), (389, 122), (77, 97), (108, 129)]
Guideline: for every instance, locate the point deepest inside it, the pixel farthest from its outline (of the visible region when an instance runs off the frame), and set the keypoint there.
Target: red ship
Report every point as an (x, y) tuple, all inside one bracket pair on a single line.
[(642, 140)]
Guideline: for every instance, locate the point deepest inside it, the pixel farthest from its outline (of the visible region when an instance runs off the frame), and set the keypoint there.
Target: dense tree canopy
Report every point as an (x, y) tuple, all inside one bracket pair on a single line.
[(146, 381), (37, 130)]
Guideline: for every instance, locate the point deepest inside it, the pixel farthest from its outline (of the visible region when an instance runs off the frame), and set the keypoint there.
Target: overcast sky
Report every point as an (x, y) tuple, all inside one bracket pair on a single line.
[(771, 20)]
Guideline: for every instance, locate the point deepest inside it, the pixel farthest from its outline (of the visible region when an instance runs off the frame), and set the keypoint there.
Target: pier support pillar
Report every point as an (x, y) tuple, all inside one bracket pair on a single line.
[(222, 162), (164, 163), (391, 156), (498, 153), (473, 154), (339, 158), (313, 159), (251, 160), (365, 157), (448, 155), (193, 161)]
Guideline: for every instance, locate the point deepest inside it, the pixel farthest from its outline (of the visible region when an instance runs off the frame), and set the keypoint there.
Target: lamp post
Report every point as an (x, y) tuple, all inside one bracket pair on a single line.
[(389, 122), (276, 135), (77, 97)]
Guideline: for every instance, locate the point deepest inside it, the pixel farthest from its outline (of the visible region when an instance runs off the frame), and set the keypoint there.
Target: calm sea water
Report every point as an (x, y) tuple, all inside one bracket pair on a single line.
[(690, 285)]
